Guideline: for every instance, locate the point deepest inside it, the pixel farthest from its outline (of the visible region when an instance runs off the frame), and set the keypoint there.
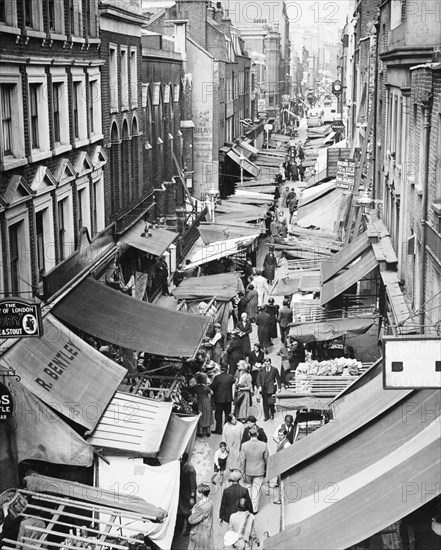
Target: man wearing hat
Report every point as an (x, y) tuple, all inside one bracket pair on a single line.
[(252, 423), (269, 265), (222, 388), (215, 344), (231, 496)]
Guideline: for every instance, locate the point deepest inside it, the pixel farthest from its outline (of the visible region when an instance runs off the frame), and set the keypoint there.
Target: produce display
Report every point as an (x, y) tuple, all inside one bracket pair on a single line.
[(331, 367)]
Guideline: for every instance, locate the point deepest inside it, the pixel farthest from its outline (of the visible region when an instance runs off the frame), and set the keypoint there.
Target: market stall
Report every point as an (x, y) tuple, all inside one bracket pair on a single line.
[(62, 514)]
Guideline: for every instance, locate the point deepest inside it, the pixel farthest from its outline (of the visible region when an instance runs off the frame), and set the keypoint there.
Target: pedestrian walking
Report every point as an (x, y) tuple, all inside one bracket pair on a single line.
[(296, 353), (178, 275), (232, 435), (273, 311), (230, 497), (293, 205), (251, 424), (220, 463), (245, 328), (222, 388), (234, 352), (300, 152), (291, 196), (285, 197), (162, 270), (242, 523), (263, 322), (301, 171), (201, 520), (294, 172), (244, 386), (269, 384), (269, 265), (261, 286), (284, 318), (187, 494), (252, 301), (282, 443), (215, 344), (283, 227), (203, 394), (253, 463)]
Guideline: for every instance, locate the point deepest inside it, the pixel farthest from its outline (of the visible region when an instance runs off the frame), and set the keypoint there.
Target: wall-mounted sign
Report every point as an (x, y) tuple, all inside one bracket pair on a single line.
[(6, 403), (20, 318), (261, 106), (411, 362), (345, 177)]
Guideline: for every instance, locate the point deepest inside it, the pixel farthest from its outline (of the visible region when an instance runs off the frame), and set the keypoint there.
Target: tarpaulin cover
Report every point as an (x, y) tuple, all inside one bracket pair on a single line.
[(127, 322), (64, 371), (344, 257), (372, 401), (132, 424), (211, 233), (178, 437), (202, 253), (336, 286), (371, 480), (314, 193), (320, 331), (247, 165), (289, 401), (157, 244), (228, 207), (284, 287), (322, 212), (222, 286), (35, 432), (159, 485)]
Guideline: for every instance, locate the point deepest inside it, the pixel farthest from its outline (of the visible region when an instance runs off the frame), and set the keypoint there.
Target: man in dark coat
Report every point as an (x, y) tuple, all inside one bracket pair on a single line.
[(263, 322), (187, 494), (252, 423), (301, 171), (268, 381), (222, 387), (295, 171), (234, 351), (284, 319), (231, 495), (291, 196), (269, 265)]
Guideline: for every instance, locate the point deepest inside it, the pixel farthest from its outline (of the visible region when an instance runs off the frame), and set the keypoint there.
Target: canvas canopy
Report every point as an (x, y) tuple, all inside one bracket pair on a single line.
[(320, 331), (247, 165), (330, 267), (202, 253), (132, 425), (211, 233), (125, 321), (322, 212), (222, 286), (63, 371), (375, 468), (156, 245)]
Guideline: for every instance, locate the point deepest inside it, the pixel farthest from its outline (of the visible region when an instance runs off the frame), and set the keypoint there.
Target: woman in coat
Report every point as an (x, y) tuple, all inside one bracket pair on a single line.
[(203, 395), (201, 520), (244, 327), (263, 322), (244, 386), (252, 298), (232, 435), (273, 311)]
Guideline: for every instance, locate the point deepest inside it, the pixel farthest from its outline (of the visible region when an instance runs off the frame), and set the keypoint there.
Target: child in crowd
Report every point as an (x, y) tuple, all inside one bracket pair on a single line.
[(220, 462)]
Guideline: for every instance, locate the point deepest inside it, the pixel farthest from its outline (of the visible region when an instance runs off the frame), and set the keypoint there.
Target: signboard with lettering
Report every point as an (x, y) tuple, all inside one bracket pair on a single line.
[(20, 318), (345, 177), (66, 373), (261, 106)]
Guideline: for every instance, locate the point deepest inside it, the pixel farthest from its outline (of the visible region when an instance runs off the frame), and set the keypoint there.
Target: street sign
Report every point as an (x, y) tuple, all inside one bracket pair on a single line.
[(411, 362), (20, 318), (345, 178)]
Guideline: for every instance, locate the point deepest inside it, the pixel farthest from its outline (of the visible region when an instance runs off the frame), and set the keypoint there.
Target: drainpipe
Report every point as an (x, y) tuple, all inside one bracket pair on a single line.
[(426, 142), (375, 101)]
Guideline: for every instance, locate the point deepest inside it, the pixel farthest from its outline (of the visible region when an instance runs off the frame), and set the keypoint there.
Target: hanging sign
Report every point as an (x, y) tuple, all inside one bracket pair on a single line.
[(20, 318), (345, 177)]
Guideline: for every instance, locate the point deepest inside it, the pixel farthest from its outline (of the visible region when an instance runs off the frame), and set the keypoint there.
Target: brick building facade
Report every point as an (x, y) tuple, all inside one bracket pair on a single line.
[(51, 154)]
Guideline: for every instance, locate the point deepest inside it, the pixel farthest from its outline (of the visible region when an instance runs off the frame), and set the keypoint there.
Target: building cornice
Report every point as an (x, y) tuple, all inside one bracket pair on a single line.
[(409, 55)]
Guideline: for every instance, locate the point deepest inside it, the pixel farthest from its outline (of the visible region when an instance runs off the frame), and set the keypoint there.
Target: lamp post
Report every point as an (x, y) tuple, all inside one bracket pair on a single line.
[(365, 202), (211, 199), (241, 161)]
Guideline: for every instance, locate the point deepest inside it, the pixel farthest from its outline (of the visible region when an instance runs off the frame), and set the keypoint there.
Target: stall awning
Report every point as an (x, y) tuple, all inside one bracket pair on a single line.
[(214, 232), (125, 321), (372, 401), (344, 257), (314, 193), (177, 438), (328, 329), (35, 432), (402, 316), (202, 253), (245, 145), (247, 165), (229, 207), (132, 424), (374, 470), (342, 282), (64, 371), (289, 401), (222, 286), (322, 212), (157, 244)]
